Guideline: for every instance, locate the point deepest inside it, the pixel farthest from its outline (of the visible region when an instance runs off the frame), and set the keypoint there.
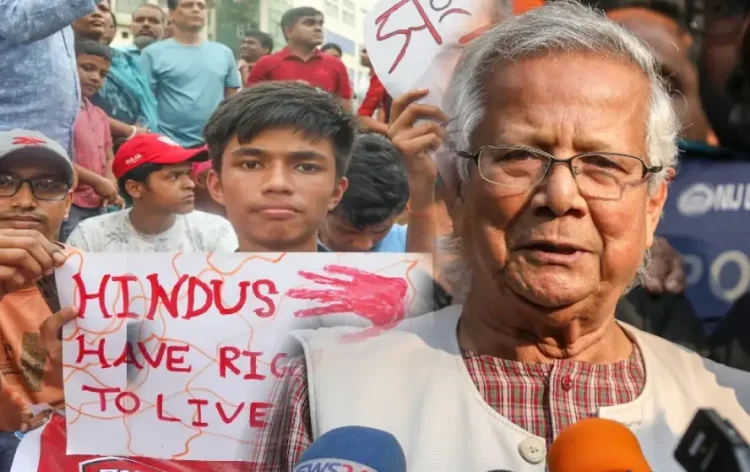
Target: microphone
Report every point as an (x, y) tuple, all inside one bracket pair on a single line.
[(353, 449), (596, 445), (711, 444)]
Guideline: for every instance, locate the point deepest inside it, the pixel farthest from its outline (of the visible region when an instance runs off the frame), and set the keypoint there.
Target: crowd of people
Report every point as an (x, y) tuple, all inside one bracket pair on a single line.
[(556, 299)]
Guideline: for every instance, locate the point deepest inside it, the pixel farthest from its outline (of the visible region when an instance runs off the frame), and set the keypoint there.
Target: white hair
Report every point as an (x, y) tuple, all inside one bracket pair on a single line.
[(556, 28)]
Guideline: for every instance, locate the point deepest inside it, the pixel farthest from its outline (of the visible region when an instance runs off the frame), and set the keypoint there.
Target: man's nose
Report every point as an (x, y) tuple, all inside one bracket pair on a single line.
[(559, 191), (276, 181), (24, 198), (362, 243), (188, 182)]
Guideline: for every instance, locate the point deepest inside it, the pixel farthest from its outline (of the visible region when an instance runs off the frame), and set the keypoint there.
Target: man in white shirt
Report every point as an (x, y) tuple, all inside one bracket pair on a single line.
[(153, 173)]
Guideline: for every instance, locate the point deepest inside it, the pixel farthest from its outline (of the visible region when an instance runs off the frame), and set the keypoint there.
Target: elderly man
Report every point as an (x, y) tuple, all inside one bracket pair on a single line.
[(565, 138)]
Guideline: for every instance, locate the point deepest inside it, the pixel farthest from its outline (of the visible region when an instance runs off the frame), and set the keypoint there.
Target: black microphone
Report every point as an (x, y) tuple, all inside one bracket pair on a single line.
[(712, 444)]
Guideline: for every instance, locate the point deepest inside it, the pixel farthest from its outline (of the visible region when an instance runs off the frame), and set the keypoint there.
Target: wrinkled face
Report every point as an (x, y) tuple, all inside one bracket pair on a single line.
[(25, 210), (148, 22), (169, 190), (92, 72), (278, 188), (190, 15), (724, 83), (341, 236), (308, 30), (670, 44), (549, 246), (94, 25), (251, 50)]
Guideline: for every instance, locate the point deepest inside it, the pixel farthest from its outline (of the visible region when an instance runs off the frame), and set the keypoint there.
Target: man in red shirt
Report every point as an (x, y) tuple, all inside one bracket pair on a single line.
[(301, 59)]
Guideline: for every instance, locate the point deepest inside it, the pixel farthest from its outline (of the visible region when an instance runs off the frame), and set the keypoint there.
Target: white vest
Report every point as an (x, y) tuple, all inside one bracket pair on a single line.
[(413, 383)]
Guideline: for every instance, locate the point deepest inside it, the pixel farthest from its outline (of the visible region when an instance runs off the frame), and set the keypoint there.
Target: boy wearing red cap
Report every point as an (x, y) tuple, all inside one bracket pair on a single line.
[(153, 174)]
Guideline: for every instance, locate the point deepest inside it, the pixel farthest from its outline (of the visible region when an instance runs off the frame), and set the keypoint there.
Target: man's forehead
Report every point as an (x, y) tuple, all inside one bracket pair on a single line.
[(316, 18)]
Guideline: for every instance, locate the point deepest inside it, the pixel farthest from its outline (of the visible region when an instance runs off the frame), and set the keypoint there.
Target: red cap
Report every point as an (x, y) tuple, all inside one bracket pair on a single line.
[(154, 149)]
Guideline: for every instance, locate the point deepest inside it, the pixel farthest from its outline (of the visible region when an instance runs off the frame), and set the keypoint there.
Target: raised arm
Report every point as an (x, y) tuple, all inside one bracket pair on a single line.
[(26, 21)]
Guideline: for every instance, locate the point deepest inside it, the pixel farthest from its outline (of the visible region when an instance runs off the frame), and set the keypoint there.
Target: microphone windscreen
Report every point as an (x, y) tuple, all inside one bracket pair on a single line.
[(596, 445), (364, 449)]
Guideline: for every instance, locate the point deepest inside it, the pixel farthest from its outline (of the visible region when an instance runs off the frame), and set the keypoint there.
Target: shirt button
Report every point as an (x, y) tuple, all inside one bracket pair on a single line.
[(567, 383), (532, 450)]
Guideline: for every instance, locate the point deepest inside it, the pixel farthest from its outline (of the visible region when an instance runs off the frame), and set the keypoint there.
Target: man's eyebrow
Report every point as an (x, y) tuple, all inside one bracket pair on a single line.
[(306, 156), (247, 151)]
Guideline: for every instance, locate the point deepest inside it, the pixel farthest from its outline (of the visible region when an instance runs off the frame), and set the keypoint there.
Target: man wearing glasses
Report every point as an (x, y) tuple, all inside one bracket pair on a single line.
[(36, 177)]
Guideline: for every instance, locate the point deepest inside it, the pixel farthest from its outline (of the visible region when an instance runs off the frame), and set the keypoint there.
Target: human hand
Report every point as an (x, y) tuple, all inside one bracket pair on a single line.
[(415, 141), (109, 193), (25, 256), (666, 273)]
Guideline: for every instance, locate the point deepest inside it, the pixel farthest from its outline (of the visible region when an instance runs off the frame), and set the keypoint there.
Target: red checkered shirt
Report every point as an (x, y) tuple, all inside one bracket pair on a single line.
[(543, 399)]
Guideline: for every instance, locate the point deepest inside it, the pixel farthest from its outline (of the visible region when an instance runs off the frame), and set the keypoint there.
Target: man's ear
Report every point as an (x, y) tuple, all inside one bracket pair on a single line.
[(213, 184), (338, 193), (655, 206), (134, 189), (68, 203)]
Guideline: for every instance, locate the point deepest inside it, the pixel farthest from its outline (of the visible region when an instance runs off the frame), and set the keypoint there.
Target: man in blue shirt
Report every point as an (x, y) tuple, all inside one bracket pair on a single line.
[(39, 89), (126, 95), (189, 76), (378, 190)]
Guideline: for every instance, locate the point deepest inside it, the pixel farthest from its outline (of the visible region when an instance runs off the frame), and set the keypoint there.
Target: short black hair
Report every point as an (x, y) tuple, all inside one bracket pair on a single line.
[(173, 4), (378, 184), (314, 112), (139, 174), (155, 7), (292, 16), (89, 47), (335, 46), (264, 39)]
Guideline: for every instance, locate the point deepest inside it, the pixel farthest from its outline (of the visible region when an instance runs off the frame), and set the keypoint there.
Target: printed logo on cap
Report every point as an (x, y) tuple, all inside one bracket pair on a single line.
[(28, 141), (167, 140), (133, 159), (113, 464)]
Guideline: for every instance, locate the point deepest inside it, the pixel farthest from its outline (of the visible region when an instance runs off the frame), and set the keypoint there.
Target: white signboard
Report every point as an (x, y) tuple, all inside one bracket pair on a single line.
[(174, 356)]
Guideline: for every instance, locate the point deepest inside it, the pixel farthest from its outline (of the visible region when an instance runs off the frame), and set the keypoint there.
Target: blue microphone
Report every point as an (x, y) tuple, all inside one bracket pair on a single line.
[(353, 449)]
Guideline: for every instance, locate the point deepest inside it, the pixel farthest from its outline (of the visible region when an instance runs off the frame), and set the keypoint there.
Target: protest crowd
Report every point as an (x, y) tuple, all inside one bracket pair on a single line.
[(541, 183)]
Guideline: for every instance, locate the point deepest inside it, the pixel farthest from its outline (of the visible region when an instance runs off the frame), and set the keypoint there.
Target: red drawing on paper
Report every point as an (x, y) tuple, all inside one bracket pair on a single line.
[(376, 298), (381, 20)]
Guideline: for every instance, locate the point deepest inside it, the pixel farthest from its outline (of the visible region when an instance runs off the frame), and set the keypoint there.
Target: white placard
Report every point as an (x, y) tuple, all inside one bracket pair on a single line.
[(175, 355)]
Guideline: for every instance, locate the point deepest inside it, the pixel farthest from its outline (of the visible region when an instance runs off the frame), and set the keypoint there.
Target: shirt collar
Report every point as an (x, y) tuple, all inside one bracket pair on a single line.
[(286, 53)]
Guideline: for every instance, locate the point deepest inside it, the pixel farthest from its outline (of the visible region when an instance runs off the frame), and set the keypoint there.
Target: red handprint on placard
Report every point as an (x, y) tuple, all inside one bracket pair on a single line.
[(379, 299)]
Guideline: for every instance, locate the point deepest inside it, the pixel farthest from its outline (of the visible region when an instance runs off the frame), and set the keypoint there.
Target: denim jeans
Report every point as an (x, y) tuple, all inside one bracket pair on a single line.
[(8, 444)]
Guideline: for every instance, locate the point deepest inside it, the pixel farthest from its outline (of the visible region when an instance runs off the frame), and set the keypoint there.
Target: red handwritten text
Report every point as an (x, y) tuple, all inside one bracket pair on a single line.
[(193, 288)]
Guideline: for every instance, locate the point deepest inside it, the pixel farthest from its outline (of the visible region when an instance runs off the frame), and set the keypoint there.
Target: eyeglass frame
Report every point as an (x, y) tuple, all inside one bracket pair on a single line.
[(68, 186), (551, 160)]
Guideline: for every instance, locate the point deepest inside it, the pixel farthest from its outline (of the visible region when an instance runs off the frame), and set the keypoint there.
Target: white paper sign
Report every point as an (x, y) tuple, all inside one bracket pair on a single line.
[(174, 355), (416, 43)]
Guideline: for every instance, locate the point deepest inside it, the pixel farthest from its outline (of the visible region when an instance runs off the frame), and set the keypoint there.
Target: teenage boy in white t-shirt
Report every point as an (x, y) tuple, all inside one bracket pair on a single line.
[(153, 173)]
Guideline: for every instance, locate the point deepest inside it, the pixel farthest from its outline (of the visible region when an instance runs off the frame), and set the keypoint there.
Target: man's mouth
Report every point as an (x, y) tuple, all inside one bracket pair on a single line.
[(553, 252)]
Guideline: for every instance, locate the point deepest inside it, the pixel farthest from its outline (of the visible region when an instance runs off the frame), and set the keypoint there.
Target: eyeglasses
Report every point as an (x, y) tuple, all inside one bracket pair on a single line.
[(41, 188), (600, 175), (717, 18)]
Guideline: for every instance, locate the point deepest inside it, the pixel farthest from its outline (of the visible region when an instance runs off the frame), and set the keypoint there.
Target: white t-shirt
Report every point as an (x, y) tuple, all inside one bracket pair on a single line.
[(194, 232)]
